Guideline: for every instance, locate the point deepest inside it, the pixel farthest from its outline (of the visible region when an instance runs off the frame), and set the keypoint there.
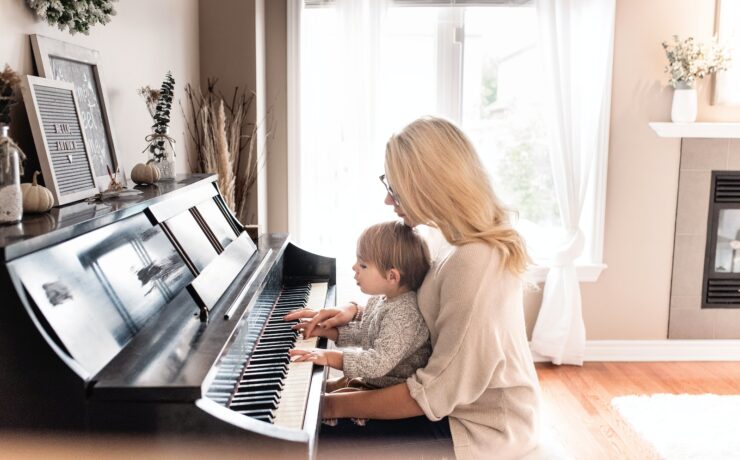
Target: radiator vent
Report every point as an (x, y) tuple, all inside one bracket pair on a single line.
[(727, 189), (723, 291)]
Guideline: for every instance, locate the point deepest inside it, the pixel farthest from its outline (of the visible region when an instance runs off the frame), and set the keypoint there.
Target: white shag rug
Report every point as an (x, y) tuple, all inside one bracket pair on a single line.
[(685, 426)]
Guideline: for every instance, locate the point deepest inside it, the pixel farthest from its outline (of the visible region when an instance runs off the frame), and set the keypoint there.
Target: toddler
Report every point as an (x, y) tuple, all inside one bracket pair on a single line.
[(392, 261)]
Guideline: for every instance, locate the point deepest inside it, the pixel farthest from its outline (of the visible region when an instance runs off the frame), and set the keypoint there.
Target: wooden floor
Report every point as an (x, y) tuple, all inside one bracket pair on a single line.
[(577, 400)]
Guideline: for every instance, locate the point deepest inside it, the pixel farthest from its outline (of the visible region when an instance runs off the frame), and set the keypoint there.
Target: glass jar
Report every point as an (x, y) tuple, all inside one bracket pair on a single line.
[(11, 198), (162, 154)]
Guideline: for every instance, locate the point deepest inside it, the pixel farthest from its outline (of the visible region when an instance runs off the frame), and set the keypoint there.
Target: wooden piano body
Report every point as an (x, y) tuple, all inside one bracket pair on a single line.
[(152, 315)]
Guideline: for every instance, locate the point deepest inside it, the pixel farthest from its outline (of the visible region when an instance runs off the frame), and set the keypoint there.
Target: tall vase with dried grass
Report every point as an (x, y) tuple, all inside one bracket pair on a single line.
[(225, 143)]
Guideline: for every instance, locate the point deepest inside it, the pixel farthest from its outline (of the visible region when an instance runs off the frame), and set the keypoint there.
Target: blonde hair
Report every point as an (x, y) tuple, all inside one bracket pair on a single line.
[(440, 181), (393, 245)]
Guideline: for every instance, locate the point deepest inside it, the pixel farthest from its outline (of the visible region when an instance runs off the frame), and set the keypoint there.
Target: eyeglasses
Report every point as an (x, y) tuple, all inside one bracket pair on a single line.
[(391, 192)]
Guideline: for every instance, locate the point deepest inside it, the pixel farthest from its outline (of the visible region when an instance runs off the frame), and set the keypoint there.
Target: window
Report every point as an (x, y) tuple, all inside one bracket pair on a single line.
[(479, 66)]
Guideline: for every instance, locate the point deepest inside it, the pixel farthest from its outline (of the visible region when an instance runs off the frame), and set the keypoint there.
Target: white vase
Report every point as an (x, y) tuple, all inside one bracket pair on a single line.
[(683, 109)]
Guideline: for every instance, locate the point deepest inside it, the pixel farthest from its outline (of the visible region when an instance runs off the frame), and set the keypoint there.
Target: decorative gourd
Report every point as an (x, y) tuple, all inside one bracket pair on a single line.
[(145, 173), (36, 198)]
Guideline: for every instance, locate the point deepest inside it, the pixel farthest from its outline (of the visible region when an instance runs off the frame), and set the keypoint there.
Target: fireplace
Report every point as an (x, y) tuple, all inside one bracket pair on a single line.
[(721, 284), (705, 281)]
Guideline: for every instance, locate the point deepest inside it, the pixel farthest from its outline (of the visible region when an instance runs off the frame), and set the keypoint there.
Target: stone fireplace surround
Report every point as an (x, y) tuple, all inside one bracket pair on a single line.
[(699, 157)]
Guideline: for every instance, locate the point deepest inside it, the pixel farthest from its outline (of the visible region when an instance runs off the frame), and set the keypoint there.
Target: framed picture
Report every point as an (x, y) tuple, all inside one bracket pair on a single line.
[(74, 64), (727, 82), (56, 123)]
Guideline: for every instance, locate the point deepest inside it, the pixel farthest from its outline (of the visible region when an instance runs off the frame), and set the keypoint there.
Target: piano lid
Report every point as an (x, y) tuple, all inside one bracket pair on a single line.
[(36, 232)]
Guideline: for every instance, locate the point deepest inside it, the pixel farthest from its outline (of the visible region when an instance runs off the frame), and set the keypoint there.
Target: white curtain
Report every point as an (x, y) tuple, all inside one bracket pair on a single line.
[(342, 147), (577, 42)]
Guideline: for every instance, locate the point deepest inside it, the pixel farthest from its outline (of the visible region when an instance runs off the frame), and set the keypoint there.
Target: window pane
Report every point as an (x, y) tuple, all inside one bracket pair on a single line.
[(503, 114), (409, 66)]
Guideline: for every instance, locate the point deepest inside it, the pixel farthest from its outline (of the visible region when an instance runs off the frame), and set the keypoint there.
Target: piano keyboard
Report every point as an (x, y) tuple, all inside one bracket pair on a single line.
[(256, 377)]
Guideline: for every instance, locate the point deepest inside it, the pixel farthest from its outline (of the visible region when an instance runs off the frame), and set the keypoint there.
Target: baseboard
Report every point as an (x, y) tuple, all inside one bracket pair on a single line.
[(659, 350)]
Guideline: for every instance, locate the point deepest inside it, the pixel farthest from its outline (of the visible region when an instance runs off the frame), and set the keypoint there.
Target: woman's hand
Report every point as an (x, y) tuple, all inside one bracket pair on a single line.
[(326, 318)]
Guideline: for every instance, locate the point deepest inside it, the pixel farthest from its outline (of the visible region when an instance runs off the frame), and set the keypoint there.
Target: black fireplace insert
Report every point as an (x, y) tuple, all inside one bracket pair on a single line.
[(721, 287)]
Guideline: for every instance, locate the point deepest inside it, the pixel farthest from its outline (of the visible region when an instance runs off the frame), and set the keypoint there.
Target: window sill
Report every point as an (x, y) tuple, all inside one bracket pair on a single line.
[(587, 273)]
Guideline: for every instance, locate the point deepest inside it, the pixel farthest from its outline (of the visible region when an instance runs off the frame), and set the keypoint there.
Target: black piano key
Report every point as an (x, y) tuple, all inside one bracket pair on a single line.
[(270, 352), (270, 359), (263, 404), (260, 387), (260, 393), (266, 366), (264, 414), (252, 397), (265, 372), (277, 338), (261, 380), (265, 418)]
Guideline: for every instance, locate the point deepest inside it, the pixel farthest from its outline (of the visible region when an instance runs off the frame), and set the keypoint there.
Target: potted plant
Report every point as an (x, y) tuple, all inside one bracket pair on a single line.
[(688, 61)]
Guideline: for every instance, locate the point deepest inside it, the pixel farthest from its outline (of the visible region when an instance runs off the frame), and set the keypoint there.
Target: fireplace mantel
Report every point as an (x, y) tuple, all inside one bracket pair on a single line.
[(717, 130)]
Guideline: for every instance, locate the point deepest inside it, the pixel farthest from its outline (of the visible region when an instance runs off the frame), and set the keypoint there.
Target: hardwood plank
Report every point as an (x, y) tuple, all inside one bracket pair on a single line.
[(577, 400)]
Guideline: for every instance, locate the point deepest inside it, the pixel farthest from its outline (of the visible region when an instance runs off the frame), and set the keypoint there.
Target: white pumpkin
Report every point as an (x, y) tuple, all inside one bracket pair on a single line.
[(145, 173), (36, 198)]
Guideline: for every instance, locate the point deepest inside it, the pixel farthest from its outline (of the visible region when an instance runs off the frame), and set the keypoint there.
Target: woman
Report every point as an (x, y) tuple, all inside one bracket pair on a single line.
[(479, 384)]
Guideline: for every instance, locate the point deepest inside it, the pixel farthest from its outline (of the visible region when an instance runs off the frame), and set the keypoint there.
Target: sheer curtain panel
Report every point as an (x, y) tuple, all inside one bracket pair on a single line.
[(577, 42)]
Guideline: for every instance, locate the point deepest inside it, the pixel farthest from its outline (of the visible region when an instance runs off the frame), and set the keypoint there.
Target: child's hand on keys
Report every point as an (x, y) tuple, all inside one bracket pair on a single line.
[(313, 356)]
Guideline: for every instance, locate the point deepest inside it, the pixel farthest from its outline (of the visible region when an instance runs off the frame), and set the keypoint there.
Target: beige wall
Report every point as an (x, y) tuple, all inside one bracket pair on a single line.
[(630, 300), (228, 53), (141, 43), (244, 43), (276, 69)]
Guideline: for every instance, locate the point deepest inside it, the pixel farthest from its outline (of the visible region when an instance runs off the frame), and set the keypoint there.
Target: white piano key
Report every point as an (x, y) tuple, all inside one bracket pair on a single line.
[(292, 406)]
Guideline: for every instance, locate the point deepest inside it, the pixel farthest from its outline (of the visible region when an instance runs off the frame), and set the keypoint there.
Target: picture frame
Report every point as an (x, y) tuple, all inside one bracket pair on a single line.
[(727, 82), (64, 61), (57, 126)]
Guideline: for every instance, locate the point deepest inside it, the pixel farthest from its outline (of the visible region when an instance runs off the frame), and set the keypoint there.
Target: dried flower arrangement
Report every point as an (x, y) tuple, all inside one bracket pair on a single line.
[(151, 98), (689, 60), (225, 142), (77, 15), (9, 80)]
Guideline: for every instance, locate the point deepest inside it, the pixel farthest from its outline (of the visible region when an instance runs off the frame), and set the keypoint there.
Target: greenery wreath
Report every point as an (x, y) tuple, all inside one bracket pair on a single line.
[(77, 15)]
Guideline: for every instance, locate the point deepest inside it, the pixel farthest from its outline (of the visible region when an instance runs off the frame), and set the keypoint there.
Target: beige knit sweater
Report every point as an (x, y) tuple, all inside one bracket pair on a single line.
[(481, 372)]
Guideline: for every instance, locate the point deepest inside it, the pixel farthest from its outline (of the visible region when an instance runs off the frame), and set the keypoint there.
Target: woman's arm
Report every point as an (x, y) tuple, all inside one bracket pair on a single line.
[(385, 404)]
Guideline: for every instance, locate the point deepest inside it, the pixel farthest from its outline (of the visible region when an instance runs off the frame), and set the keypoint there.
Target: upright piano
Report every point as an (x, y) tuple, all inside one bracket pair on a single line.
[(157, 315)]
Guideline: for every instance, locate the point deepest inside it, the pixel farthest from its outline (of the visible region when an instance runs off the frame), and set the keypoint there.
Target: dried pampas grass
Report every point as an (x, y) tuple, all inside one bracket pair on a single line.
[(225, 143), (223, 158)]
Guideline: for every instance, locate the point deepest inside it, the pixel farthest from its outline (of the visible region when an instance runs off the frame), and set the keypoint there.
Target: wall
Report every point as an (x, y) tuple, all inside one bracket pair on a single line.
[(276, 69), (228, 53), (141, 43), (630, 300), (243, 43)]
